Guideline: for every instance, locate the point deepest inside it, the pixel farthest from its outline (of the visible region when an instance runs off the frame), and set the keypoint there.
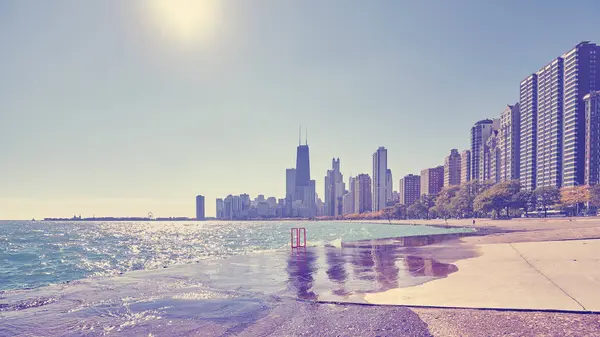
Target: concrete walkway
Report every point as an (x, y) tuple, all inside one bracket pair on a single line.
[(558, 275)]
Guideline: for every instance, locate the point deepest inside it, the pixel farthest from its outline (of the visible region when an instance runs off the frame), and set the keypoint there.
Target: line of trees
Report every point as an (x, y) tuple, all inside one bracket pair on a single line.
[(476, 199), (504, 199)]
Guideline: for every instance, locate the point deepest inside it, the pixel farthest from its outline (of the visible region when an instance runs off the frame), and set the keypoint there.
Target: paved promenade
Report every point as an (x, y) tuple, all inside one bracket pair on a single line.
[(542, 265), (555, 275), (549, 264)]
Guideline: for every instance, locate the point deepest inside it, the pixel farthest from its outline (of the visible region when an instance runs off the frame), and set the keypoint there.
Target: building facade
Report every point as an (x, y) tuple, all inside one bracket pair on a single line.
[(220, 211), (200, 215), (290, 190), (592, 138), (389, 188), (550, 124), (410, 189), (581, 77), (304, 188), (465, 166), (528, 104), (351, 195), (362, 196), (490, 163), (509, 143), (480, 133), (432, 180), (379, 179), (334, 189), (452, 166)]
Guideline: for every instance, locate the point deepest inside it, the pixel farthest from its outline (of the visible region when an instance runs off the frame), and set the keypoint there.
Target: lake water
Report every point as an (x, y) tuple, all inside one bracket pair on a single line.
[(135, 278)]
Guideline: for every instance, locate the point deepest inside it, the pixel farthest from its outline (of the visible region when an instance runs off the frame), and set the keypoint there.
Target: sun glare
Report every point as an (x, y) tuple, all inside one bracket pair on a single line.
[(187, 21)]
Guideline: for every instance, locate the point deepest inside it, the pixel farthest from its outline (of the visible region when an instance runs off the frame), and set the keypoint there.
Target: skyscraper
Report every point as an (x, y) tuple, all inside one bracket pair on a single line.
[(480, 133), (581, 76), (351, 195), (334, 189), (362, 198), (389, 188), (200, 208), (304, 188), (549, 124), (379, 179), (227, 207), (490, 163), (452, 166), (528, 101), (302, 171), (432, 180), (465, 166), (410, 189), (220, 210), (290, 190), (592, 138), (509, 143)]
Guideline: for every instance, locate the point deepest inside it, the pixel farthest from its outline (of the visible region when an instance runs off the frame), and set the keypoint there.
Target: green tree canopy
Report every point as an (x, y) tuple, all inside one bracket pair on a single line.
[(417, 210), (546, 196)]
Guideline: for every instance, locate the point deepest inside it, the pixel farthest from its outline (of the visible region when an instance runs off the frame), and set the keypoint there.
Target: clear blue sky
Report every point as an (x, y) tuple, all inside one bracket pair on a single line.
[(110, 108)]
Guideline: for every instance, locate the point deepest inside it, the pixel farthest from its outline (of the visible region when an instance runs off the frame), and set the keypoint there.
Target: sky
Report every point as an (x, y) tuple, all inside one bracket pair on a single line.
[(120, 108)]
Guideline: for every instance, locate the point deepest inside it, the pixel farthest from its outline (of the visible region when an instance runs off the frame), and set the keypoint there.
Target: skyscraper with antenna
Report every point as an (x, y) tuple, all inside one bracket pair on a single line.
[(304, 188)]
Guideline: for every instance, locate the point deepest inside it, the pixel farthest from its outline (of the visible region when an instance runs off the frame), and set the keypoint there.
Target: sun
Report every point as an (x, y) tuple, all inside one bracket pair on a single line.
[(186, 21)]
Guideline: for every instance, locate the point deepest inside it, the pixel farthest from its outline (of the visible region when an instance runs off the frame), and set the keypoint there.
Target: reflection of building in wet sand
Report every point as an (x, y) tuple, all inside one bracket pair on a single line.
[(376, 263), (418, 266), (336, 270), (384, 257), (301, 267), (362, 262)]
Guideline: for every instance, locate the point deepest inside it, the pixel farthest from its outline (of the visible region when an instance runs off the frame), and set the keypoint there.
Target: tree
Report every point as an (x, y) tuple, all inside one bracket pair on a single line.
[(546, 196), (511, 189), (483, 203), (399, 211), (482, 186), (462, 203), (572, 196), (417, 210), (428, 200), (388, 213), (594, 195), (497, 197), (522, 200), (443, 203)]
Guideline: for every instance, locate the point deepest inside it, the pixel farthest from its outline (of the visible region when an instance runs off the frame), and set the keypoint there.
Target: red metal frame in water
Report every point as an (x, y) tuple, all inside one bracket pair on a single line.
[(297, 231)]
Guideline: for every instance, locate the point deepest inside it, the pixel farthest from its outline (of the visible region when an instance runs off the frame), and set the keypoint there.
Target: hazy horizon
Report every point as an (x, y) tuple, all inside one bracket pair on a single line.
[(114, 108)]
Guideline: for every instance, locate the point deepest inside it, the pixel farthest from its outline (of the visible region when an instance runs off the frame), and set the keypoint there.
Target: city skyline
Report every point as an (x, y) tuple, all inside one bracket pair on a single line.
[(135, 122)]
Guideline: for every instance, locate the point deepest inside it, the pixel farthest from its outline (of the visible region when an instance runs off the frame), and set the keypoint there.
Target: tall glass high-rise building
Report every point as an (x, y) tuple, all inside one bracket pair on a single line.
[(592, 138), (465, 166), (379, 178), (200, 207), (509, 140), (305, 187), (550, 124), (528, 104), (302, 168), (480, 133), (581, 76), (452, 166), (553, 118)]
